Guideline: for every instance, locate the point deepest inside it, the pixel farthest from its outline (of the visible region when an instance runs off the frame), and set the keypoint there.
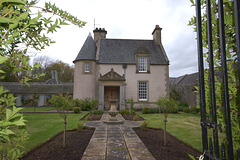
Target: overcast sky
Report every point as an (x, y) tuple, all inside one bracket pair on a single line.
[(130, 19)]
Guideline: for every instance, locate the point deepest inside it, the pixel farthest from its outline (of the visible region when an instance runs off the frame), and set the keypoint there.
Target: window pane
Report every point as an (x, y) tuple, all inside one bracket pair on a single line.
[(143, 94), (142, 64), (87, 67)]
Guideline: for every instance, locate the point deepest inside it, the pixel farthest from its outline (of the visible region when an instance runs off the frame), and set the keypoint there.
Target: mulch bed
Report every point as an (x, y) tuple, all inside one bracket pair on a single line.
[(93, 117), (130, 117), (53, 148), (78, 141), (175, 149)]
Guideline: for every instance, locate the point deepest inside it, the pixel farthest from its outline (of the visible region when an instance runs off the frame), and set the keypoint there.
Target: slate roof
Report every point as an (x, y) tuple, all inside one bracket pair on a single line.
[(88, 50), (123, 51), (38, 88), (188, 79)]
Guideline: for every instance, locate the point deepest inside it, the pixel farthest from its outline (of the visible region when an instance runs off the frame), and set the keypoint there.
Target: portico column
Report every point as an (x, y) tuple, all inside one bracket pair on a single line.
[(122, 97), (101, 97)]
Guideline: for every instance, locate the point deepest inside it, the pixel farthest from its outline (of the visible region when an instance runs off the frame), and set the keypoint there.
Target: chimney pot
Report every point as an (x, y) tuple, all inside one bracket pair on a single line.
[(99, 33), (157, 35)]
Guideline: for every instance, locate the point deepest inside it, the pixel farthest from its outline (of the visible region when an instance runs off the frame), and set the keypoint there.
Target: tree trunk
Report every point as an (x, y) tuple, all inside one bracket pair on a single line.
[(164, 134), (64, 133), (165, 130)]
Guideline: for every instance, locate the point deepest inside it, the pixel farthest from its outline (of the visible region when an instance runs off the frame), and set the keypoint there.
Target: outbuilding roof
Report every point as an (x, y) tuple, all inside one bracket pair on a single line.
[(38, 88)]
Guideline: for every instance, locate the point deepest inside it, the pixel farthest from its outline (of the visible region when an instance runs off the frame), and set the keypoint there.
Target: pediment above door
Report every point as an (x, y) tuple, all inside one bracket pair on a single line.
[(111, 76)]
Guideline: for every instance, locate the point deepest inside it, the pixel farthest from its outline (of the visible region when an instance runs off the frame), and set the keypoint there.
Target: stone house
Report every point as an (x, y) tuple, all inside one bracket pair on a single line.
[(121, 69)]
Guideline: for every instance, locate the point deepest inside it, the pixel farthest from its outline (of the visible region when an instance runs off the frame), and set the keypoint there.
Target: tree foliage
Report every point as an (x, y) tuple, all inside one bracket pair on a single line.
[(20, 30), (230, 36)]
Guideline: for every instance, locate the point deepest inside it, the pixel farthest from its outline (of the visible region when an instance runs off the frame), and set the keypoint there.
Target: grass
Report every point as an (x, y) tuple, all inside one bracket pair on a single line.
[(36, 108), (185, 127), (42, 126)]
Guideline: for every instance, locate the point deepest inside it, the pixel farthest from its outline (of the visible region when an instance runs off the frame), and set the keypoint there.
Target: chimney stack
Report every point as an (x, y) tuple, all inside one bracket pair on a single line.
[(157, 35), (99, 33)]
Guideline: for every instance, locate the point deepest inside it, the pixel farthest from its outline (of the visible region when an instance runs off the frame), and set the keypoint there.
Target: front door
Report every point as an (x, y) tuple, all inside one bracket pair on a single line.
[(110, 93)]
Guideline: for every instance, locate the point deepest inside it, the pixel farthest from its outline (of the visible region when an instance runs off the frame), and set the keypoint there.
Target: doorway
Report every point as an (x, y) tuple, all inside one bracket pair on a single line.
[(111, 93)]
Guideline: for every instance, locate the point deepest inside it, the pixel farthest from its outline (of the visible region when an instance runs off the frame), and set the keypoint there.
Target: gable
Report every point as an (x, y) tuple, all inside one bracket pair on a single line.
[(111, 76)]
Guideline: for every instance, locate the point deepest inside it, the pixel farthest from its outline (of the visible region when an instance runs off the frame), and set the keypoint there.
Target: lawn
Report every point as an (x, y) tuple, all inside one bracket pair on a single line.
[(43, 126), (36, 108), (186, 127)]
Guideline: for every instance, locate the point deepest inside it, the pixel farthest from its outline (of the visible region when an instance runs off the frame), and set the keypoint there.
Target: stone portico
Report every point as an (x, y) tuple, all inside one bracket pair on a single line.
[(111, 86)]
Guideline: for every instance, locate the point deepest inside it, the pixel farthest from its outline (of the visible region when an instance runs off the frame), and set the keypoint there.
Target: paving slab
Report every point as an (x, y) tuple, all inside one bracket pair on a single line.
[(115, 141)]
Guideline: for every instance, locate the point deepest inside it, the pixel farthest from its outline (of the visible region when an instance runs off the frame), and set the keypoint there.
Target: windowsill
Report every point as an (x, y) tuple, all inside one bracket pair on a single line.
[(142, 100), (143, 72)]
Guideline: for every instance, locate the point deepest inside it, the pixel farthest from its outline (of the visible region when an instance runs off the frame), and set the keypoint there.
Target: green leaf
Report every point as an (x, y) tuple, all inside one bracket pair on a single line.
[(23, 15), (14, 1), (4, 136), (14, 25), (5, 20), (8, 114), (3, 59)]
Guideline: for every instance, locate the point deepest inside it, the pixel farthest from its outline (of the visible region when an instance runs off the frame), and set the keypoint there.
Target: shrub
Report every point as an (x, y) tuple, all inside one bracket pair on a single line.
[(186, 110), (154, 110), (182, 105), (126, 112), (76, 110), (194, 110), (80, 126), (136, 118), (137, 109), (146, 110), (88, 104), (97, 112), (144, 125)]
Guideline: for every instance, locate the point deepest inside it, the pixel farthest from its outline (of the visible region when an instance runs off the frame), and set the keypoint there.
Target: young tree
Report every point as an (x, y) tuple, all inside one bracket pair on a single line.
[(165, 104), (21, 29), (62, 104), (131, 102)]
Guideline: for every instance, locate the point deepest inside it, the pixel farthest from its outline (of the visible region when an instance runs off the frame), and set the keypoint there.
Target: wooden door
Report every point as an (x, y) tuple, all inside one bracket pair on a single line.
[(110, 93)]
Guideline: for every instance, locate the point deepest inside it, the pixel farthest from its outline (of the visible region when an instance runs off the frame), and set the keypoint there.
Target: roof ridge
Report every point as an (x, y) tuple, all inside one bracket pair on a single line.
[(127, 39)]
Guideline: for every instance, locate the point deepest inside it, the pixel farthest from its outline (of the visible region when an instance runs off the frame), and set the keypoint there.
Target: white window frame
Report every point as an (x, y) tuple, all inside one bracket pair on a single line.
[(143, 91), (142, 64), (87, 67)]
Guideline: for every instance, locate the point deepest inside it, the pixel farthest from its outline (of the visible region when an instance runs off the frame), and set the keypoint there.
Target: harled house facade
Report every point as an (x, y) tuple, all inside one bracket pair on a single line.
[(121, 69)]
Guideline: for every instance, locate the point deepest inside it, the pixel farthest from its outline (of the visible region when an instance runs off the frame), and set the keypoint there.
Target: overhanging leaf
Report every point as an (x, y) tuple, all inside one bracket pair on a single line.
[(3, 59), (5, 20), (14, 1)]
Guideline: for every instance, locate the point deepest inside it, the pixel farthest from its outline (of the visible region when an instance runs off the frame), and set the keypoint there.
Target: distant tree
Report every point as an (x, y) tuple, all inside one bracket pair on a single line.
[(64, 70)]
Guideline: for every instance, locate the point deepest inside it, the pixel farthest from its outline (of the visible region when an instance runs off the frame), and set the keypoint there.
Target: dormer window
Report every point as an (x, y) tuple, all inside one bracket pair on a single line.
[(87, 67), (142, 64), (142, 57)]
